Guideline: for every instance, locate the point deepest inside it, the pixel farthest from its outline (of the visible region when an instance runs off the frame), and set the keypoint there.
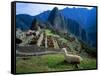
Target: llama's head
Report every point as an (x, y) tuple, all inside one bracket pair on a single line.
[(64, 50)]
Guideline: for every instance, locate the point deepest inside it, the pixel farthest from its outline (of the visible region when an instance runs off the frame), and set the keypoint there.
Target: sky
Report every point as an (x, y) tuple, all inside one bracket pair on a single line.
[(35, 9)]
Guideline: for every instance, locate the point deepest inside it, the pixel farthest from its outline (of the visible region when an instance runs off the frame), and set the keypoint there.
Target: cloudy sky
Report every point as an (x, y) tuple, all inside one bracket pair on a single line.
[(34, 9)]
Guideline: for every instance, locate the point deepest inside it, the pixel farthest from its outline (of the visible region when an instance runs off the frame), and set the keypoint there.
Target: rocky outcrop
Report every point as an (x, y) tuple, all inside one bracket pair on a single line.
[(57, 20)]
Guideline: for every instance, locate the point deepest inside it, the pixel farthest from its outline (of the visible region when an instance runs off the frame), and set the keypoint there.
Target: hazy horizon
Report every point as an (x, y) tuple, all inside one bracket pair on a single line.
[(35, 9)]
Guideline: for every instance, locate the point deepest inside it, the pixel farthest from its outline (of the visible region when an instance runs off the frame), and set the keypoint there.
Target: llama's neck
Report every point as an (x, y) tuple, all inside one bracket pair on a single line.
[(65, 52)]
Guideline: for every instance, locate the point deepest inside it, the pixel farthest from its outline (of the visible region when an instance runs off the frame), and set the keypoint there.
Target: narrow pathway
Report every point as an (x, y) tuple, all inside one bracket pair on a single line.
[(56, 46), (39, 42)]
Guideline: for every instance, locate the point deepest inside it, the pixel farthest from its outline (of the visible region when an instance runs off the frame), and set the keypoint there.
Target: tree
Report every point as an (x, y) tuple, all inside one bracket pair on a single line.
[(35, 25)]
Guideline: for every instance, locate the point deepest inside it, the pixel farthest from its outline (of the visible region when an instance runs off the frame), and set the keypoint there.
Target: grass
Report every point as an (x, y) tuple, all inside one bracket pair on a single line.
[(54, 62), (49, 33)]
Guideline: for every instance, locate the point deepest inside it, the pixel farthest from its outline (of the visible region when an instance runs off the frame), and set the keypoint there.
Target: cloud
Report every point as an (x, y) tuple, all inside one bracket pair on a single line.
[(34, 9), (89, 8)]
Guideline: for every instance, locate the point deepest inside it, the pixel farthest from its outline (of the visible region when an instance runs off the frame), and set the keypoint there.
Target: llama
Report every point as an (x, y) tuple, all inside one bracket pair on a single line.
[(73, 59)]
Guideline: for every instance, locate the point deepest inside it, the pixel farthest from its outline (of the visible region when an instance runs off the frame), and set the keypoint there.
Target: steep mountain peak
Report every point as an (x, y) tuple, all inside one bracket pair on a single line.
[(55, 11), (55, 8), (55, 18)]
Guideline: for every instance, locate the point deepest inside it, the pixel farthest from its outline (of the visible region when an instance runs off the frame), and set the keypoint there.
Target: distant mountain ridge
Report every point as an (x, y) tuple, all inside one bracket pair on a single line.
[(84, 16)]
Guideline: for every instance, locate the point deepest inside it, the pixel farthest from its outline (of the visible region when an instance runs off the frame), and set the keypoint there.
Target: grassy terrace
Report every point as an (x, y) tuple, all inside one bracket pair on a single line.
[(49, 33), (54, 62)]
